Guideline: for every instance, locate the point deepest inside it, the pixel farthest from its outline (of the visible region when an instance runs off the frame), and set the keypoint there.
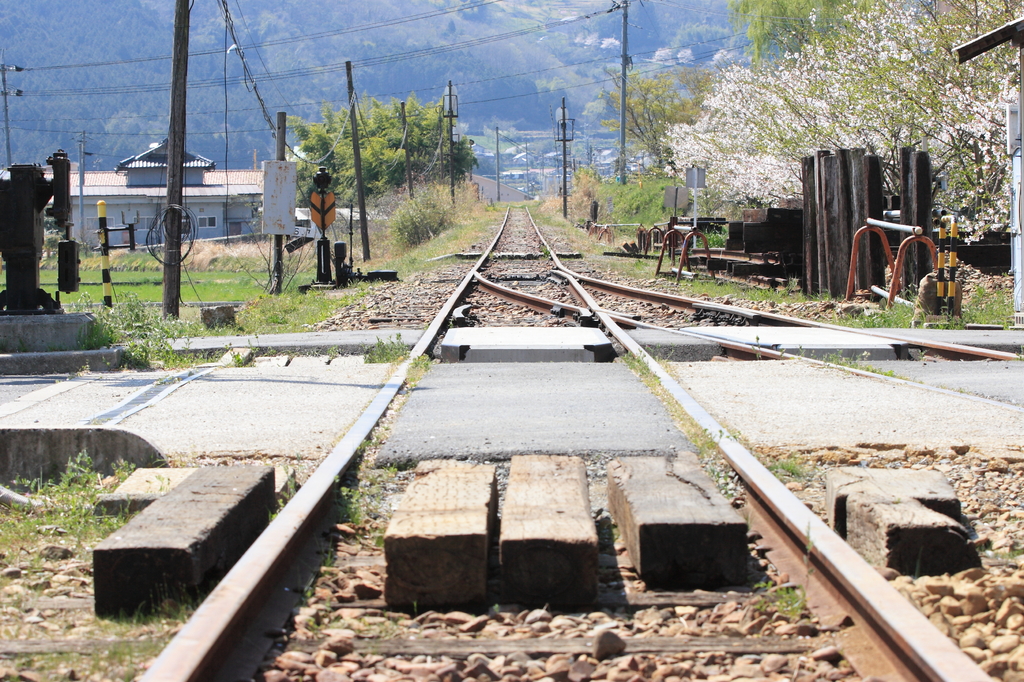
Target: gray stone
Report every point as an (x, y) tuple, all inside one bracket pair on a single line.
[(217, 316)]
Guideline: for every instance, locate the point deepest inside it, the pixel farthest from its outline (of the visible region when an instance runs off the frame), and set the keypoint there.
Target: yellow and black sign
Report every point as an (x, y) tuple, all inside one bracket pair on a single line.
[(322, 209)]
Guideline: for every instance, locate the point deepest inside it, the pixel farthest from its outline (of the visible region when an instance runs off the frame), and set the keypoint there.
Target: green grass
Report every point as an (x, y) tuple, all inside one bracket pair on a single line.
[(387, 351), (148, 286)]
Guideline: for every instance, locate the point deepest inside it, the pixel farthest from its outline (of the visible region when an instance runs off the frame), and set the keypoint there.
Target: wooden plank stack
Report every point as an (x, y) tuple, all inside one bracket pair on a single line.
[(841, 190)]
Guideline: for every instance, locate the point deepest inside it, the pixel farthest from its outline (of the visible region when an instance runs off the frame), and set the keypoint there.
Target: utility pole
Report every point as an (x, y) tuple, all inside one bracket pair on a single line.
[(622, 91), (280, 135), (405, 143), (565, 134), (364, 230), (4, 68), (497, 163), (451, 112), (81, 186), (176, 161)]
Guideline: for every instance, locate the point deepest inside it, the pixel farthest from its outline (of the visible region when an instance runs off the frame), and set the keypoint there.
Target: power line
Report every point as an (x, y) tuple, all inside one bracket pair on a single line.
[(304, 72), (280, 41)]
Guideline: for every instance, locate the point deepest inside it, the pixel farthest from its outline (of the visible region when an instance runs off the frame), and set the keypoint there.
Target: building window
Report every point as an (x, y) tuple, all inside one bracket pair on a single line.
[(207, 221)]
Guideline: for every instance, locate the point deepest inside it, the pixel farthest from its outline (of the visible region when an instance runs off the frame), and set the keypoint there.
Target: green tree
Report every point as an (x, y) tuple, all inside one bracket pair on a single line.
[(775, 27), (654, 104), (382, 142)]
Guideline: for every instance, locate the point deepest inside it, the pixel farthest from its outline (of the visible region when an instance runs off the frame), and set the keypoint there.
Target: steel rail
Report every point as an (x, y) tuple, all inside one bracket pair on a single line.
[(901, 641), (950, 351), (202, 650)]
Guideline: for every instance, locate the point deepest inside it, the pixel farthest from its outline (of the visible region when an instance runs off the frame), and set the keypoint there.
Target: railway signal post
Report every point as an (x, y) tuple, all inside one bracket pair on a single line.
[(322, 210)]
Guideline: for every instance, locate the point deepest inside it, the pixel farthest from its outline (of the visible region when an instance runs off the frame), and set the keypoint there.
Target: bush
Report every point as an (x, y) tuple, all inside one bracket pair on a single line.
[(429, 213)]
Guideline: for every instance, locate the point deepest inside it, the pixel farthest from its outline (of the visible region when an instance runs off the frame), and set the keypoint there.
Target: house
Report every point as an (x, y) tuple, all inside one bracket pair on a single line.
[(224, 202)]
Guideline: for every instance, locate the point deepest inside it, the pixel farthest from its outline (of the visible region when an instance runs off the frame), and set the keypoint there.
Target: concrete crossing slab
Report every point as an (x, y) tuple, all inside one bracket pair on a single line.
[(487, 412), (526, 344), (994, 379), (809, 342)]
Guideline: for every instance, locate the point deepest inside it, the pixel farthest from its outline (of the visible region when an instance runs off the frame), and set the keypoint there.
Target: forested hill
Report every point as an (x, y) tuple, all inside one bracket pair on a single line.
[(103, 67)]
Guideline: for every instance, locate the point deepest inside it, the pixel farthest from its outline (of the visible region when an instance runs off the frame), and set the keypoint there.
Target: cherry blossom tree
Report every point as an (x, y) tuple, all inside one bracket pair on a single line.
[(885, 79)]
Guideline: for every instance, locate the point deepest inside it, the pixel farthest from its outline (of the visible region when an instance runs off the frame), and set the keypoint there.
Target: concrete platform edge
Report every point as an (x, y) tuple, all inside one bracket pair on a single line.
[(61, 362)]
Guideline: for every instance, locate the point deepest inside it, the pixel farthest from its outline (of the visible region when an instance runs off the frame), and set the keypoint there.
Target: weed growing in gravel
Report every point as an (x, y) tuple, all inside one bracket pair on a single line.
[(789, 601), (386, 351), (66, 518), (791, 468)]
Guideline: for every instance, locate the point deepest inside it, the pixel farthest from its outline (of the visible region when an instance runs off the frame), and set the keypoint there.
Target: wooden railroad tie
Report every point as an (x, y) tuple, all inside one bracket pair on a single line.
[(679, 530), (437, 541), (196, 531), (904, 519), (548, 538)]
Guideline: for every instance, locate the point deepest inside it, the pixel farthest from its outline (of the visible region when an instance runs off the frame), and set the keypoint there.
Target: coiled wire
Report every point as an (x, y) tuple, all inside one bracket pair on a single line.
[(156, 237)]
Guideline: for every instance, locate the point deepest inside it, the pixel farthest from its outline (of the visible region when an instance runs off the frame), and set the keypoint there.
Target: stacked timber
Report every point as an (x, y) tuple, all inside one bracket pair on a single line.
[(841, 190)]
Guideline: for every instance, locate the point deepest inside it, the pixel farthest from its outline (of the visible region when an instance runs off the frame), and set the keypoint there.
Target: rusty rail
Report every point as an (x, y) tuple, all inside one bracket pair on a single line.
[(260, 588), (890, 636)]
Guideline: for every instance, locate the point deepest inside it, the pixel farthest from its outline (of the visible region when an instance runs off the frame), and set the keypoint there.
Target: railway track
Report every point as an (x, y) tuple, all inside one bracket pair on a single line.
[(879, 632)]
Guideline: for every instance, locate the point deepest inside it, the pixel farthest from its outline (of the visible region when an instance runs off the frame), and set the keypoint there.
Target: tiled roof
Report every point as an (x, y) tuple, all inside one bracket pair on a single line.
[(156, 157)]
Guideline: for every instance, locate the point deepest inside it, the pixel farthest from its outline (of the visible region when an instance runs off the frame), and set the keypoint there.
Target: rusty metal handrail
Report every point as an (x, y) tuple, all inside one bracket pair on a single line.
[(867, 230), (684, 254), (897, 271)]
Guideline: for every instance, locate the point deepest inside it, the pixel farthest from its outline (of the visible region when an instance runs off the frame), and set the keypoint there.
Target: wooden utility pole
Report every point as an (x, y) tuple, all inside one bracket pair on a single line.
[(622, 92), (364, 230), (405, 143), (176, 161), (497, 163), (277, 277)]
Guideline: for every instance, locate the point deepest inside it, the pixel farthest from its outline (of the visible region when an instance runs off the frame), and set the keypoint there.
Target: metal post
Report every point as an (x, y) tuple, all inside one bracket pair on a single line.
[(451, 112), (497, 163), (81, 186), (622, 93), (405, 143), (7, 114), (176, 161), (364, 230), (108, 287), (4, 68), (277, 277)]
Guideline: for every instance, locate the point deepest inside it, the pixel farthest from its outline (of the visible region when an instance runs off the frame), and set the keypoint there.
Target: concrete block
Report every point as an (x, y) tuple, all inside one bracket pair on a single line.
[(905, 519), (907, 536), (217, 316), (193, 534), (43, 453), (548, 537), (44, 333), (676, 347), (62, 362), (145, 486), (679, 530), (437, 542), (526, 344)]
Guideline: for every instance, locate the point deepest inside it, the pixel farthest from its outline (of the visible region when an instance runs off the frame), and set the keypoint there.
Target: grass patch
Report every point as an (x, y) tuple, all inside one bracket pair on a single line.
[(790, 468), (386, 351)]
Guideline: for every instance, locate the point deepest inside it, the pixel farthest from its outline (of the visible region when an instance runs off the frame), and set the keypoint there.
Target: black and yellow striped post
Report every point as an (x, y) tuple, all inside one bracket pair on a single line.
[(108, 288), (951, 284), (940, 265)]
